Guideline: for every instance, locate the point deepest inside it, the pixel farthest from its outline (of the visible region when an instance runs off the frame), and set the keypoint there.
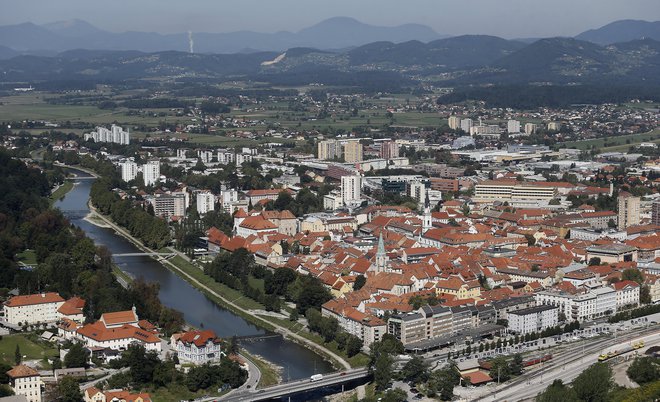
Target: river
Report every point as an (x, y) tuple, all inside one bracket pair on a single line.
[(295, 360)]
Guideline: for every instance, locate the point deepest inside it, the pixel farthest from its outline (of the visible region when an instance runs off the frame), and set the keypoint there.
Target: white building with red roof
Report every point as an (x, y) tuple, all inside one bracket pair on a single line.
[(33, 309), (25, 381), (197, 347), (627, 294), (118, 330)]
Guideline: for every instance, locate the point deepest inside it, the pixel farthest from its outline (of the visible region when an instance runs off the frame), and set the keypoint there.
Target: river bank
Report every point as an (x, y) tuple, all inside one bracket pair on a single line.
[(197, 281)]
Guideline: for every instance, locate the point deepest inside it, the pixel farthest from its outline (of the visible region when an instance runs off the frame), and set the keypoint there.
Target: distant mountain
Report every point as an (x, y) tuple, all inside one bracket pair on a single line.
[(622, 31), (7, 53), (334, 33)]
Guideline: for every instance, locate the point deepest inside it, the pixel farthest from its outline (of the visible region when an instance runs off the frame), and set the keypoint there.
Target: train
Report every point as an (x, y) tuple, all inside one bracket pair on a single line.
[(486, 364), (621, 351)]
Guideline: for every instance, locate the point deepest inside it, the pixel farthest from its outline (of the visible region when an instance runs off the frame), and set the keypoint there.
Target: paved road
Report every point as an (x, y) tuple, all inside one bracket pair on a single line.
[(280, 390)]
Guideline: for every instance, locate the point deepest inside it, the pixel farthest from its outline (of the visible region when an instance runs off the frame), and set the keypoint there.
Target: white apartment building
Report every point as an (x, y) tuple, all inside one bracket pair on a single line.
[(197, 347), (578, 307), (530, 128), (466, 125), (205, 155), (627, 294), (605, 301), (169, 205), (454, 122), (328, 150), (351, 189), (151, 173), (533, 319), (205, 202), (25, 381), (129, 171), (33, 309), (227, 199), (115, 135), (513, 126)]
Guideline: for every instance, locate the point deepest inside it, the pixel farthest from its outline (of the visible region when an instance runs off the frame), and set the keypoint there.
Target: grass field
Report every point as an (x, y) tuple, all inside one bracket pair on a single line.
[(61, 191), (614, 143), (27, 257), (30, 350)]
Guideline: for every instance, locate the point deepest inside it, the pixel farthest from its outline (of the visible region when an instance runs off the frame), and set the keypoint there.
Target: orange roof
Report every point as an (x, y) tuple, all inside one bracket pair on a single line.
[(126, 396), (21, 371), (119, 317), (623, 284), (478, 377), (100, 333), (39, 298), (257, 223), (72, 306), (199, 338)]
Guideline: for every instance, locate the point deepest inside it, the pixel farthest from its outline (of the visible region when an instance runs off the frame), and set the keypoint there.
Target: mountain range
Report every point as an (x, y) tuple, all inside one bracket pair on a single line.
[(338, 33), (334, 33)]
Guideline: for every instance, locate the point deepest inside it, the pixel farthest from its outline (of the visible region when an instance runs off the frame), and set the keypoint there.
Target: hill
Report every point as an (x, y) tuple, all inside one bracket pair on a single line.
[(622, 31)]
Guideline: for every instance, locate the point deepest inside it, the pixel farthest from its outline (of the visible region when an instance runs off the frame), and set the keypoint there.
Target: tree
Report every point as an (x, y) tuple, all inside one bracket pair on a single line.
[(360, 281), (395, 395), (633, 274), (232, 346), (382, 371), (644, 370), (557, 391), (516, 365), (76, 357), (594, 261), (69, 390), (415, 370), (443, 381), (500, 370), (17, 355), (353, 345), (594, 383)]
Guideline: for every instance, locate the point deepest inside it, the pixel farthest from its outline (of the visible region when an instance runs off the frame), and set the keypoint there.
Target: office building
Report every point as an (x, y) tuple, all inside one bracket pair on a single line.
[(129, 171), (628, 210), (353, 152), (205, 202), (151, 173)]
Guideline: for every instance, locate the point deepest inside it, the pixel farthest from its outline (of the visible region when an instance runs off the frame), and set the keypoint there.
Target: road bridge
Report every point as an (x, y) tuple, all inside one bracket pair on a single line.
[(295, 387)]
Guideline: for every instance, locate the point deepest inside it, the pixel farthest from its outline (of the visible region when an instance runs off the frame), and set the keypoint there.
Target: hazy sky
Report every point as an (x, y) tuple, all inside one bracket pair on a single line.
[(506, 18)]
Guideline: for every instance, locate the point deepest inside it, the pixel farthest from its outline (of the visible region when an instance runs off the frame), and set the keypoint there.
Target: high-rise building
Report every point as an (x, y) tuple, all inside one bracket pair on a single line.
[(169, 205), (151, 173), (466, 125), (554, 126), (116, 135), (351, 188), (628, 210), (389, 149), (655, 213), (417, 190), (129, 171), (205, 202), (530, 128), (513, 126), (454, 122), (328, 150), (353, 152)]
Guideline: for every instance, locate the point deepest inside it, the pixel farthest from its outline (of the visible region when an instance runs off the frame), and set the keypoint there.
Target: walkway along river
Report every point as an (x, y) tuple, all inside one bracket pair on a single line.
[(295, 360)]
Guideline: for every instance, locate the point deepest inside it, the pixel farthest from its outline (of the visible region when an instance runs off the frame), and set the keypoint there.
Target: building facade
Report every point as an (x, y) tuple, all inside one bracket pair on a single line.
[(534, 319)]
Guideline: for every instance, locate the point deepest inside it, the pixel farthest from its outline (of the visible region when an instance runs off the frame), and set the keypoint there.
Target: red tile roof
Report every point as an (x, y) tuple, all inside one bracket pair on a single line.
[(39, 298)]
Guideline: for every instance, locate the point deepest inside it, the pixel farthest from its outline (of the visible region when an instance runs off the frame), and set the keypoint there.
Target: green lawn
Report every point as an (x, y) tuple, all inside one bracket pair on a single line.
[(61, 191), (231, 294), (27, 257), (178, 392), (618, 143), (31, 350), (256, 283)]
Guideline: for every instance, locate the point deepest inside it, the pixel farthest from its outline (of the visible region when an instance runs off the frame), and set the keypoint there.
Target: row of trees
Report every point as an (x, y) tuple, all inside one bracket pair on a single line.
[(328, 328), (152, 231)]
